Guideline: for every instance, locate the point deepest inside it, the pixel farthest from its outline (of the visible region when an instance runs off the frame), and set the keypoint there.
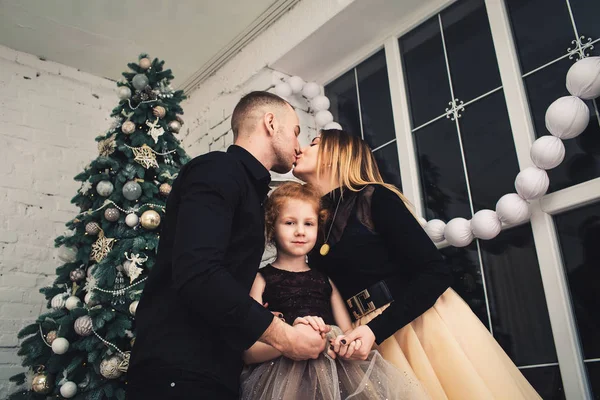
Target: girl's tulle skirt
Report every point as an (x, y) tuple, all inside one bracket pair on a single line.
[(329, 379)]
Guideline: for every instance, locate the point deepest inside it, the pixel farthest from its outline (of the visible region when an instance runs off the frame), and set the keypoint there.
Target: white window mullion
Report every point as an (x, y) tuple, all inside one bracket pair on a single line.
[(564, 329), (409, 167)]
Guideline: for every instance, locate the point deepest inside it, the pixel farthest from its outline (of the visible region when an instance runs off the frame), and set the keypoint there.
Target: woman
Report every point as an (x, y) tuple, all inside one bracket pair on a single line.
[(396, 283)]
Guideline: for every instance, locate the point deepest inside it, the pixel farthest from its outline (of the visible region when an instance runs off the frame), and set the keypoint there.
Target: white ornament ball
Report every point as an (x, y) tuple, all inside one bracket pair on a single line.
[(124, 92), (133, 307), (333, 125), (109, 367), (68, 389), (458, 232), (532, 183), (104, 188), (132, 220), (486, 224), (311, 90), (320, 103), (72, 303), (60, 345), (83, 326), (283, 89), (435, 230), (324, 117), (145, 63), (59, 301), (512, 209), (567, 117), (89, 299), (67, 254), (583, 78), (547, 152), (296, 83)]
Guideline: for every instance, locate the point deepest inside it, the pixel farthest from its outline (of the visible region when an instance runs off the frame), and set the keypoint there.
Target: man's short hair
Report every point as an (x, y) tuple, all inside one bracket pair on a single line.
[(249, 103)]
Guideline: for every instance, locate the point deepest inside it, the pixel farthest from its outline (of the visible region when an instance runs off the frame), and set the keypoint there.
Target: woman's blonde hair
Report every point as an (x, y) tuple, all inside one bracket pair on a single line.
[(351, 163)]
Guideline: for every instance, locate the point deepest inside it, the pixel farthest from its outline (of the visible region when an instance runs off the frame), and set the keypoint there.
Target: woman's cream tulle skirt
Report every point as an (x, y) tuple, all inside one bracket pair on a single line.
[(453, 355)]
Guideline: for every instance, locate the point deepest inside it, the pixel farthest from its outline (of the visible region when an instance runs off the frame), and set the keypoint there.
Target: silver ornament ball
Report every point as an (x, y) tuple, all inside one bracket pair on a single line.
[(140, 81), (174, 126), (68, 389), (104, 188), (83, 326), (124, 92), (132, 220), (92, 228), (132, 190), (112, 214)]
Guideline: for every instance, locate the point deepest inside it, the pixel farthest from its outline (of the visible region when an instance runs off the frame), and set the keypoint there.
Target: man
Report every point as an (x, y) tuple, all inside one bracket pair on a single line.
[(195, 316)]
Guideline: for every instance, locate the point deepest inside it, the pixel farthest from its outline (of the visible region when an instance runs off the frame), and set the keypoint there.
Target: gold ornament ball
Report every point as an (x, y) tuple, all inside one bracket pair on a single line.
[(150, 219), (159, 111), (174, 126), (128, 127), (109, 367), (165, 189), (51, 336), (145, 63), (42, 383)]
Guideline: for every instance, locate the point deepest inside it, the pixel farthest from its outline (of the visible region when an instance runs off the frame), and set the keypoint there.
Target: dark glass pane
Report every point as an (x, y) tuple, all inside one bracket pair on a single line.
[(542, 31), (441, 171), (389, 164), (425, 72), (344, 102), (516, 297), (471, 54), (489, 150), (586, 14), (582, 160), (579, 234), (546, 381), (468, 282), (593, 370), (375, 101)]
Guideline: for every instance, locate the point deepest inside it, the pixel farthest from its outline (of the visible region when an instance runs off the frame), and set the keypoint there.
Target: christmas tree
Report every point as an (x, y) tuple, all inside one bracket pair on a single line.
[(80, 347)]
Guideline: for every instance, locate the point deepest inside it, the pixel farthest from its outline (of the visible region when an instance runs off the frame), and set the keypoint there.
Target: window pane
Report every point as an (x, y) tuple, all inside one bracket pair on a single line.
[(586, 14), (516, 296), (375, 101), (582, 159), (489, 150), (425, 72), (593, 369), (344, 102), (468, 282), (467, 33), (546, 381), (441, 169), (579, 234), (542, 31), (389, 164)]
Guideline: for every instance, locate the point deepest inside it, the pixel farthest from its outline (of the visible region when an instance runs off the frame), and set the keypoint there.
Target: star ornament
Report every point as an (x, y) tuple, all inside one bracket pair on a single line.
[(101, 247), (145, 156)]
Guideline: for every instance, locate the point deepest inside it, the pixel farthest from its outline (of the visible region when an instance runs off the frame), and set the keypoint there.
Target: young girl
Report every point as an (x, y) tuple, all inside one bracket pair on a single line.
[(305, 296)]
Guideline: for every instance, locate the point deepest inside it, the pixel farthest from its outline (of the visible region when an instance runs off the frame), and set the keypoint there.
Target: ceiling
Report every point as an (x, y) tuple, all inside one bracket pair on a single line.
[(101, 37)]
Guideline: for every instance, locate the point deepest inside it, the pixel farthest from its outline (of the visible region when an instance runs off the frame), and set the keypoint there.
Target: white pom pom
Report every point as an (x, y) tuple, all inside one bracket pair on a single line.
[(310, 90), (567, 117), (512, 209), (68, 389), (283, 89), (532, 183), (60, 345), (583, 78), (322, 118), (458, 232), (320, 103), (333, 125), (435, 230), (72, 303), (296, 83), (486, 225), (547, 152)]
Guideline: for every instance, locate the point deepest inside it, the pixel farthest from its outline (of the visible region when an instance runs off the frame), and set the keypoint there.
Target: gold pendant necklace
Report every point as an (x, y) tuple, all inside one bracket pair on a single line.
[(324, 250)]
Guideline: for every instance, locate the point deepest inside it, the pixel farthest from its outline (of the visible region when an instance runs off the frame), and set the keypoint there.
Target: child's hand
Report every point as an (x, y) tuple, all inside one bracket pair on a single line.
[(316, 323)]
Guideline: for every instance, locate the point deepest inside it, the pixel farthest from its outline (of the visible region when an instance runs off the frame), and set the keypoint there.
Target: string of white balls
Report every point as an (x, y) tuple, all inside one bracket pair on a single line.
[(566, 118), (130, 211), (151, 149), (120, 291)]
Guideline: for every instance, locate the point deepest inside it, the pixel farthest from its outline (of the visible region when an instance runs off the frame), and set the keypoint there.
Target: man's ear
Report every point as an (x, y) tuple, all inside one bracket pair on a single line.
[(269, 122)]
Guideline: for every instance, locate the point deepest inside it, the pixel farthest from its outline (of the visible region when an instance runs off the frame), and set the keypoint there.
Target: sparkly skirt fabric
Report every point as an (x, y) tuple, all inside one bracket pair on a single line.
[(453, 355), (329, 379)]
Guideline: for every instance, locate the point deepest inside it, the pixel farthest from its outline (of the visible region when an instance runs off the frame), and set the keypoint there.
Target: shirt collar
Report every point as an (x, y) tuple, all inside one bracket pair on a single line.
[(259, 174)]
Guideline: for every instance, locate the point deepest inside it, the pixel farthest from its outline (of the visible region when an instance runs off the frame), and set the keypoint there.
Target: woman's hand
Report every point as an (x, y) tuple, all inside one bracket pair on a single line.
[(355, 345)]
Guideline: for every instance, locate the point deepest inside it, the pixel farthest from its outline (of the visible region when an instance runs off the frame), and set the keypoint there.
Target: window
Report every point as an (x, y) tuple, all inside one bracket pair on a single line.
[(361, 103)]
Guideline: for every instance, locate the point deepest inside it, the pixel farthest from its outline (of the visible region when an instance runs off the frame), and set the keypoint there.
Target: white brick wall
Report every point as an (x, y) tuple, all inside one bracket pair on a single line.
[(49, 117)]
